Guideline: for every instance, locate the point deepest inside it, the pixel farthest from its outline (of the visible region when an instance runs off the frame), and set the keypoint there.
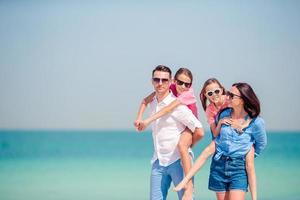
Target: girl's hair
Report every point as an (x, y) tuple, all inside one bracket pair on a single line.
[(184, 71), (251, 102), (203, 97)]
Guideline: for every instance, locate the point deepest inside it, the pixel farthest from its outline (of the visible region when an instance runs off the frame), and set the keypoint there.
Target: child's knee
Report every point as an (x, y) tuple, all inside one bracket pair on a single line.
[(199, 132)]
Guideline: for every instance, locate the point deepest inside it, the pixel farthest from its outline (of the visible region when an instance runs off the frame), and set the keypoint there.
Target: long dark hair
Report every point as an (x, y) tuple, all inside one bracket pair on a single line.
[(251, 102), (202, 95)]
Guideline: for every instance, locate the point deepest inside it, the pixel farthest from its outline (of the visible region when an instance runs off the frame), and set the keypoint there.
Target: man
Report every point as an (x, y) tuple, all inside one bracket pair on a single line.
[(166, 165)]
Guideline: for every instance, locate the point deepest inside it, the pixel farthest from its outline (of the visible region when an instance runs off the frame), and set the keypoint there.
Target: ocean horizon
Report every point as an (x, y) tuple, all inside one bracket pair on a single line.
[(115, 164)]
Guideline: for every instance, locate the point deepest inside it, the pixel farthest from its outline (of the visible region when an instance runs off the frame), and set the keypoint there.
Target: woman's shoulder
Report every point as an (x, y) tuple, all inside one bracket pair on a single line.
[(258, 122), (226, 112)]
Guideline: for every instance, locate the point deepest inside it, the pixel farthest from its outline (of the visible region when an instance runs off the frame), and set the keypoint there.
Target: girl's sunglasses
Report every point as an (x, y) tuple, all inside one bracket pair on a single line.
[(211, 92), (187, 85)]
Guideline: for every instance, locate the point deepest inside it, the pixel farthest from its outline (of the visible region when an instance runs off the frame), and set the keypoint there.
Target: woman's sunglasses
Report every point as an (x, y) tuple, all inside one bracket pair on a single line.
[(231, 95), (187, 85), (211, 92)]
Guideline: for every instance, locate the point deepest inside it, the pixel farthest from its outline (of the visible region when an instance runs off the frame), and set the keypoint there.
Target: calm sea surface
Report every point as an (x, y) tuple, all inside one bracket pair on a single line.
[(115, 165)]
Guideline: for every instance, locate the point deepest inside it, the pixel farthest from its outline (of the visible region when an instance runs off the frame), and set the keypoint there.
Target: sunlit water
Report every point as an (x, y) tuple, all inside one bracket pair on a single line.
[(115, 165)]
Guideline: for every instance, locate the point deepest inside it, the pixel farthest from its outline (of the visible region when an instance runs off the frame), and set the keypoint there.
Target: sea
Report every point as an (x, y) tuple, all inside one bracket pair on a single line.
[(115, 165)]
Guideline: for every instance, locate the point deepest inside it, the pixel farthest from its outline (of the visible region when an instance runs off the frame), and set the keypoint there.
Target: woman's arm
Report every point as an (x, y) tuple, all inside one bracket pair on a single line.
[(251, 173), (259, 135), (205, 154), (260, 138)]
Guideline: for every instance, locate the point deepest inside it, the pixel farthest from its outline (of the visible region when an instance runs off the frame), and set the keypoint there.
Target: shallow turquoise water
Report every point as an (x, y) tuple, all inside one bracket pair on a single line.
[(116, 165)]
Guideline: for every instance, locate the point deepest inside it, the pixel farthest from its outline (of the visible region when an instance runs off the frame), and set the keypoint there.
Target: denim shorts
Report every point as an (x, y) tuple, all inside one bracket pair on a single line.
[(228, 174)]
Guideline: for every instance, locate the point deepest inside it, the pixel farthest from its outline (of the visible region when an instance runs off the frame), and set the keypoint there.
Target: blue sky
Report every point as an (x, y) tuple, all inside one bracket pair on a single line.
[(87, 64)]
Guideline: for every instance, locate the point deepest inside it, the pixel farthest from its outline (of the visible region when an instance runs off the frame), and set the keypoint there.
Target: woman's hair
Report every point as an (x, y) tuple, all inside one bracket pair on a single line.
[(184, 71), (251, 102), (203, 97)]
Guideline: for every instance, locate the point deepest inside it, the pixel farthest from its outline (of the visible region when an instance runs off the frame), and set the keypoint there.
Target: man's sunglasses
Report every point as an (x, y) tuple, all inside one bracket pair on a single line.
[(162, 80), (187, 85), (211, 92), (231, 95)]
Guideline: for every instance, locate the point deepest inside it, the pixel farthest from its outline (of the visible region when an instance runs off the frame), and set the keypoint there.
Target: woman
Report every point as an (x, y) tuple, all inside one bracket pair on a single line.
[(228, 176)]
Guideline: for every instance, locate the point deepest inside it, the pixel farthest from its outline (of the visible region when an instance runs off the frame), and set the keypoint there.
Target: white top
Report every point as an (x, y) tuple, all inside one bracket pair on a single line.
[(167, 129)]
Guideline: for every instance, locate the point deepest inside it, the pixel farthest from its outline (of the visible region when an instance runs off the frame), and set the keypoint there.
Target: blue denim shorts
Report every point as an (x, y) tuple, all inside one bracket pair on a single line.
[(228, 174)]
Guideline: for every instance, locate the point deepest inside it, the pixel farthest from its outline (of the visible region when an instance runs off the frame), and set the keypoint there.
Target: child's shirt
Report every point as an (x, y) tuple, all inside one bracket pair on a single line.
[(211, 111), (186, 98)]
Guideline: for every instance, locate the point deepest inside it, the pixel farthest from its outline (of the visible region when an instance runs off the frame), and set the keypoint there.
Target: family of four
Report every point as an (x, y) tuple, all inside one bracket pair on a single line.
[(237, 130)]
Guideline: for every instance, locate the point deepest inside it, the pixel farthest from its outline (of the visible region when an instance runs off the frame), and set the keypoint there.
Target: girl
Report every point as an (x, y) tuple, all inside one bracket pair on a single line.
[(214, 93), (181, 88)]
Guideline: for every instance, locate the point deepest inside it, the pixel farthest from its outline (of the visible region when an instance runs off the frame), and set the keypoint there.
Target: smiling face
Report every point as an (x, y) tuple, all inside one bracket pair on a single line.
[(182, 83), (214, 92), (235, 98)]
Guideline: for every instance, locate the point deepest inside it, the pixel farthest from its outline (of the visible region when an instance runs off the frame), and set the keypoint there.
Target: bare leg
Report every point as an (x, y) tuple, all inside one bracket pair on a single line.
[(208, 151), (222, 195), (251, 173), (183, 146), (236, 195), (197, 135)]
